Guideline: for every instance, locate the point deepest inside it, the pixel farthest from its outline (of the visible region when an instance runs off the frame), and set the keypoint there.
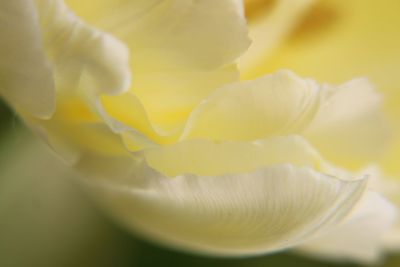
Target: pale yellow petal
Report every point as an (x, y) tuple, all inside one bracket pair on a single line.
[(204, 157), (276, 104), (26, 77), (236, 214), (344, 122), (170, 96), (126, 115)]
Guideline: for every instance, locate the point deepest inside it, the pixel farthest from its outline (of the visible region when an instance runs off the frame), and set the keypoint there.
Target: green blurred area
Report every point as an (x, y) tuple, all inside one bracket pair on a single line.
[(6, 117), (46, 220)]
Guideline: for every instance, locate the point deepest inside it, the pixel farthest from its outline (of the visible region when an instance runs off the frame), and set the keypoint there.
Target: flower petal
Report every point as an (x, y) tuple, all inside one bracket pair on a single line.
[(83, 57), (204, 157), (26, 79), (125, 115), (344, 122), (85, 62), (360, 237), (236, 214), (276, 104), (173, 33), (161, 115), (169, 97), (181, 50)]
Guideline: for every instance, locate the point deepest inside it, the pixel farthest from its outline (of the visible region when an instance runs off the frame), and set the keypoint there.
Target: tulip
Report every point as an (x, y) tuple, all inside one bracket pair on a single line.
[(145, 99)]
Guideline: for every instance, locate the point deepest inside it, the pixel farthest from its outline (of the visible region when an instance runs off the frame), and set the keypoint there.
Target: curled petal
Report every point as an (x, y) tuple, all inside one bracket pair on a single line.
[(235, 214), (82, 56), (85, 62)]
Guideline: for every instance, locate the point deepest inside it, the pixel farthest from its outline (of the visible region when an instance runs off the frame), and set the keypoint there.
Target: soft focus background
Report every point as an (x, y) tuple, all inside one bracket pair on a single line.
[(46, 220)]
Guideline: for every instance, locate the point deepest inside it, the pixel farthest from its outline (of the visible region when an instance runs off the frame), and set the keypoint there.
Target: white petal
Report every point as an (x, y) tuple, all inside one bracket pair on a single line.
[(237, 214), (83, 57), (26, 79), (174, 33), (85, 62), (390, 188), (360, 237)]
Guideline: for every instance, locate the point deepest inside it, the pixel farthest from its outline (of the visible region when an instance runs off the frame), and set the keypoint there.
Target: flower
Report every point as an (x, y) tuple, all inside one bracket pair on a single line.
[(144, 97)]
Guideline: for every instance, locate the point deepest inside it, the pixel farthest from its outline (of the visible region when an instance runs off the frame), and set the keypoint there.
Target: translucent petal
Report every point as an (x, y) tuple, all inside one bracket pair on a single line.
[(276, 104)]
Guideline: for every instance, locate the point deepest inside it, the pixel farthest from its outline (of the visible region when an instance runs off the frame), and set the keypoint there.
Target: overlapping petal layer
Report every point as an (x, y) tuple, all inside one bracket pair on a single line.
[(283, 103), (83, 61), (204, 163), (204, 157), (341, 39), (181, 50)]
